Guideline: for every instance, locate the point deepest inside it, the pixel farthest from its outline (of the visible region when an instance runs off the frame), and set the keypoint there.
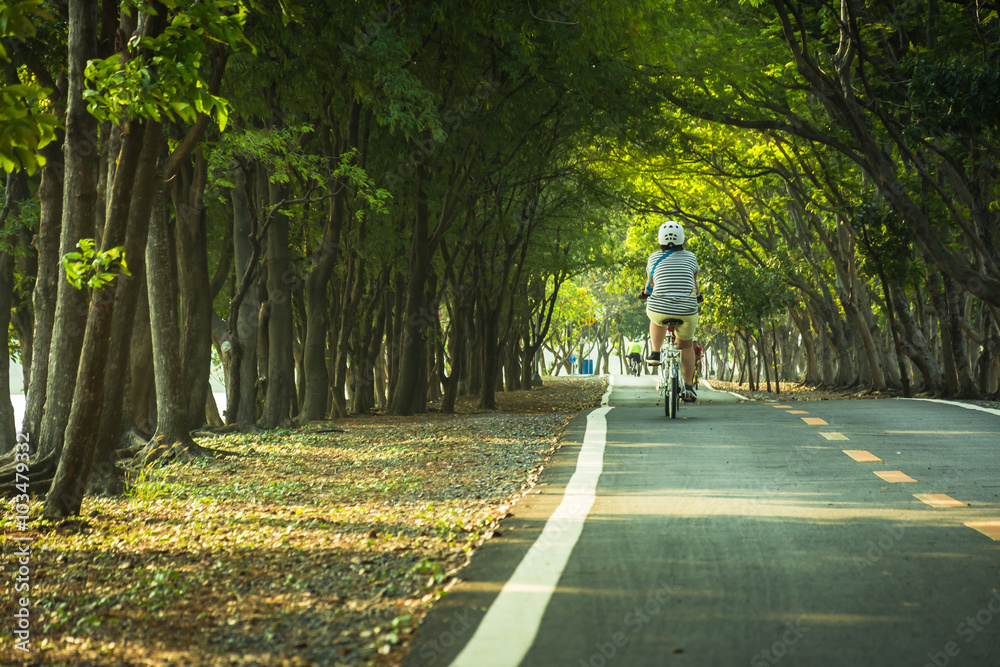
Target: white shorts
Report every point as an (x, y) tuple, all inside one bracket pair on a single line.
[(685, 331)]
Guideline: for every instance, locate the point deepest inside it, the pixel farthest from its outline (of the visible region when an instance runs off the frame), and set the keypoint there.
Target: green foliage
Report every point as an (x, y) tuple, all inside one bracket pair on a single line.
[(576, 307), (371, 197), (164, 79), (884, 244), (147, 484), (13, 345), (25, 126), (92, 267), (955, 97), (277, 148), (741, 296)]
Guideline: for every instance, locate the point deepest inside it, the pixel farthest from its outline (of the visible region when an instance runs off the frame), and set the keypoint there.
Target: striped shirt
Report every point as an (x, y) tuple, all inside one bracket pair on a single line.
[(673, 283)]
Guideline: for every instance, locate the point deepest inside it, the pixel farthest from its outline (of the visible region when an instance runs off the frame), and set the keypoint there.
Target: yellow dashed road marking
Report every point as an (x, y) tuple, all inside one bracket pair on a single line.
[(834, 436), (990, 529), (894, 476), (861, 455), (939, 500), (798, 412), (781, 406), (814, 421)]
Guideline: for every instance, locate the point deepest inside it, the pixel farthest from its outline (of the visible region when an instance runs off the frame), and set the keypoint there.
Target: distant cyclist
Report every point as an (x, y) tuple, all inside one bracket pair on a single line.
[(672, 291), (634, 357)]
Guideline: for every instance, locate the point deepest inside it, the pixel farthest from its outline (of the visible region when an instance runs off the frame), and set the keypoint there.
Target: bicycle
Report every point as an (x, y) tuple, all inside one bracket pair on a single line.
[(668, 384), (632, 366)]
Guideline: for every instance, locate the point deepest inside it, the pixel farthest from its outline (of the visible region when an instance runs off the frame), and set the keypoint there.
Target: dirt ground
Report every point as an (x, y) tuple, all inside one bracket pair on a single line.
[(318, 546)]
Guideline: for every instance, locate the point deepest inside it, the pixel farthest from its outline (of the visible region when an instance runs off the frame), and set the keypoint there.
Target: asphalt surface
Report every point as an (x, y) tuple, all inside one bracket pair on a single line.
[(742, 534)]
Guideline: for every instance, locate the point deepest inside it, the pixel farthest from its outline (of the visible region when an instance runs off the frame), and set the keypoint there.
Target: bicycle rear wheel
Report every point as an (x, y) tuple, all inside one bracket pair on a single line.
[(673, 400), (663, 385)]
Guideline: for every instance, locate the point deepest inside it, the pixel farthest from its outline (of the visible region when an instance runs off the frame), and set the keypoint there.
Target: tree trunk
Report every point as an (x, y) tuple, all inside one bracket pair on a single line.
[(365, 388), (351, 298), (762, 347), (825, 350), (50, 194), (914, 344), (953, 299), (723, 358), (989, 368), (317, 291), (193, 286), (874, 360), (847, 371), (65, 497), (812, 377), (16, 192), (141, 396), (408, 392), (394, 337), (127, 294), (79, 208), (740, 360), (512, 372), (172, 438), (280, 362), (314, 359), (896, 338), (457, 348), (491, 359), (947, 348), (774, 358), (240, 360)]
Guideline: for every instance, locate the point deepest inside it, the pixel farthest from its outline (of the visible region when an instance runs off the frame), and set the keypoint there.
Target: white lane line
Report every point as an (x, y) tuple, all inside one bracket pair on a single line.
[(509, 627), (723, 391), (607, 394), (992, 411)]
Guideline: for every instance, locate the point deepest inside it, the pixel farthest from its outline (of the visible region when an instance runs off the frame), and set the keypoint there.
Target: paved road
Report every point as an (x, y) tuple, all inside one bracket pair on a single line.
[(743, 534)]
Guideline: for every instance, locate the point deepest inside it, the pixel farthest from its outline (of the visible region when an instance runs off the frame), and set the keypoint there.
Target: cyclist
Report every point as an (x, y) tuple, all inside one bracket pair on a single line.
[(671, 293), (634, 357)]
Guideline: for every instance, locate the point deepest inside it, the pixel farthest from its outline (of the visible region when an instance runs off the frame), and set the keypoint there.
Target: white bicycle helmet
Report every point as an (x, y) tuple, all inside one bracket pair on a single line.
[(671, 232)]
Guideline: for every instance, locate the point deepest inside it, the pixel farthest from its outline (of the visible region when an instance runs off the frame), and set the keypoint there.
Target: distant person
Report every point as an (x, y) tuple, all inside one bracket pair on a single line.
[(671, 293), (634, 358)]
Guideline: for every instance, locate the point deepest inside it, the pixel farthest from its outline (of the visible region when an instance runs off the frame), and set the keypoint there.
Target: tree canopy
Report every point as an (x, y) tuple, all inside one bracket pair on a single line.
[(373, 206)]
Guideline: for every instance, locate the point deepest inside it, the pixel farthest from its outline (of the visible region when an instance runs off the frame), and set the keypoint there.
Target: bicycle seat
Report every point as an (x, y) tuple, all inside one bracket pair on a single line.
[(672, 322)]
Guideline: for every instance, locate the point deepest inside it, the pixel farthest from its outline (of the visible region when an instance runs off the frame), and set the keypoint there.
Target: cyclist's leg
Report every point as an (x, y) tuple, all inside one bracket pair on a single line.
[(657, 332), (685, 341), (687, 360)]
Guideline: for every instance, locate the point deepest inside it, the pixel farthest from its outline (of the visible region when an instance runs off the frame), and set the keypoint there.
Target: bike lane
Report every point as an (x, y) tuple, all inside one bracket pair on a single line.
[(738, 534)]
